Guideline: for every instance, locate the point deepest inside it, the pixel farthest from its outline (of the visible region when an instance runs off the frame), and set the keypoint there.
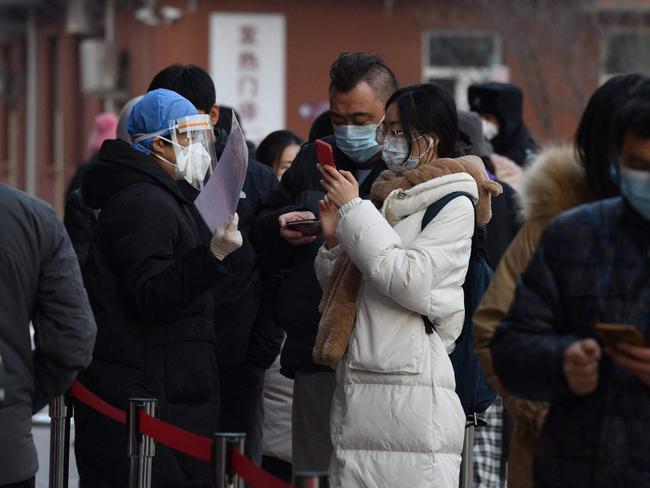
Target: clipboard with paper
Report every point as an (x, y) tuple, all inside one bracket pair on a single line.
[(218, 200)]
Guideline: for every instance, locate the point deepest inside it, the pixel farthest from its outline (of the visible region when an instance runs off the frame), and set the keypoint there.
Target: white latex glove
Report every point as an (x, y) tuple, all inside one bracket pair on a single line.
[(227, 239)]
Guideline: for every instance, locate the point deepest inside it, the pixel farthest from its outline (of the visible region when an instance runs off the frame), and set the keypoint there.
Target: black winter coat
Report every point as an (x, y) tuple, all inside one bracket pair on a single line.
[(504, 224), (148, 278), (79, 220), (515, 142), (244, 331), (298, 291)]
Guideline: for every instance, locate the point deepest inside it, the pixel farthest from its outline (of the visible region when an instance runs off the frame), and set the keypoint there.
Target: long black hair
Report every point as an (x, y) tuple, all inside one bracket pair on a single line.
[(428, 108), (594, 135)]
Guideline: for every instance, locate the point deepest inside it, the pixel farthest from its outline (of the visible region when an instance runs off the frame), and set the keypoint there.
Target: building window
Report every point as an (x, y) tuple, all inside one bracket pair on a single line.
[(626, 52), (460, 58)]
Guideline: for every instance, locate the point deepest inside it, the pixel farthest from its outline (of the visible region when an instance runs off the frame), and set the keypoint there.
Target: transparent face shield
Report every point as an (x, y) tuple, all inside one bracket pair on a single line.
[(193, 141)]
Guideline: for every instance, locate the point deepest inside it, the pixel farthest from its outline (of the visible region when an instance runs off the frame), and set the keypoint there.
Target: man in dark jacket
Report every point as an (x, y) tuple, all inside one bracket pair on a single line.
[(247, 342), (40, 282), (149, 276), (500, 105), (360, 84), (592, 266)]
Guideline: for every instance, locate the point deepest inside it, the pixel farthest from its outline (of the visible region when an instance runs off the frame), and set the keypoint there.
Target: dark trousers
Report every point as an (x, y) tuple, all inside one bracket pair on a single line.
[(30, 483), (242, 391), (277, 467)]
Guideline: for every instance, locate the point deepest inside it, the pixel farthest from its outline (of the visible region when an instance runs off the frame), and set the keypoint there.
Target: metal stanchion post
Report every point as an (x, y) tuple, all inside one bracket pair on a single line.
[(467, 463), (224, 444), (60, 414), (311, 479), (141, 448)]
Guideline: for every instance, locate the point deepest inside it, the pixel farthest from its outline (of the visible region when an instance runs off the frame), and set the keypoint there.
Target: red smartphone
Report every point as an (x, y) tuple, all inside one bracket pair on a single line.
[(306, 227), (325, 153)]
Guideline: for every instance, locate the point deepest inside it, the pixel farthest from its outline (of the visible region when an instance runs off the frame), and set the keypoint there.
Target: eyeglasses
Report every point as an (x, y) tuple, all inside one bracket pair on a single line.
[(391, 134)]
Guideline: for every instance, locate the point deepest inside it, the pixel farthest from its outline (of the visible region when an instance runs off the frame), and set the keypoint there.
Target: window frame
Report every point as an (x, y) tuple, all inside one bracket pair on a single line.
[(464, 76), (604, 49)]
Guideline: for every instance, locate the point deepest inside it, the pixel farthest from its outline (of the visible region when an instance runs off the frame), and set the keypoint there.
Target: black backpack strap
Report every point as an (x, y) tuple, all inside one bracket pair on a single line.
[(432, 211)]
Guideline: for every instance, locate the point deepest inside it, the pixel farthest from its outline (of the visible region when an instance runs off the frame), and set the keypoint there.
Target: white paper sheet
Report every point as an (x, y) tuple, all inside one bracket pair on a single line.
[(218, 200)]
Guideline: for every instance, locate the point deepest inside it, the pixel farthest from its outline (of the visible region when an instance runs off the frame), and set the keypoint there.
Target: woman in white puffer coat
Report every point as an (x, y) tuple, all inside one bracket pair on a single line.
[(396, 420)]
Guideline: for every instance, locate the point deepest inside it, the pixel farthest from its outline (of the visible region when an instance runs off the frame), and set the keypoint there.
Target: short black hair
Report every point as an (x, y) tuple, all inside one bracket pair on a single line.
[(273, 145), (633, 116), (321, 127), (593, 139), (352, 68), (189, 81), (428, 108)]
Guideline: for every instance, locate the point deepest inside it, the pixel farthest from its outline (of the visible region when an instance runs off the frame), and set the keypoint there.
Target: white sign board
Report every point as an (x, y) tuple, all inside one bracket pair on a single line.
[(247, 64)]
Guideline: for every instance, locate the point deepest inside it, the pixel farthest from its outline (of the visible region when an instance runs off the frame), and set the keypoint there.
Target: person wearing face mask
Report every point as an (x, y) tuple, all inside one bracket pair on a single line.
[(248, 340), (148, 276), (561, 178), (382, 272), (360, 84), (500, 105), (592, 265)]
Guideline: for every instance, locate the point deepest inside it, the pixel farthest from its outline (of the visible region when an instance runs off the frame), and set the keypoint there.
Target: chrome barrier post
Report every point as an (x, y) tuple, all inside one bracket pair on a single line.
[(224, 445), (311, 479), (60, 411), (140, 448), (467, 462)]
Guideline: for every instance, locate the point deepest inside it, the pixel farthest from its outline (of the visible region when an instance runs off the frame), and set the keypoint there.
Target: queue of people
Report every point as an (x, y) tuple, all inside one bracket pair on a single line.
[(336, 350)]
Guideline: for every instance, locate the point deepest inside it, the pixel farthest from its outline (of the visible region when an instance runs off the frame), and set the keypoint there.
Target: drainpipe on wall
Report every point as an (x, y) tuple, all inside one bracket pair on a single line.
[(109, 38), (31, 119)]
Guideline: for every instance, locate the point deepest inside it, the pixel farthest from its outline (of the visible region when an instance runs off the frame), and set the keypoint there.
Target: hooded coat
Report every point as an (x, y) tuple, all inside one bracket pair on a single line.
[(148, 278), (505, 102), (554, 183), (396, 419)]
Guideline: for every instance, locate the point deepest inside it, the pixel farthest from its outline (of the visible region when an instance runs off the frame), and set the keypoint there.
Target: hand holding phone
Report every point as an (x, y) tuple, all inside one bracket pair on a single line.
[(613, 334), (325, 153), (306, 227), (628, 349), (292, 236)]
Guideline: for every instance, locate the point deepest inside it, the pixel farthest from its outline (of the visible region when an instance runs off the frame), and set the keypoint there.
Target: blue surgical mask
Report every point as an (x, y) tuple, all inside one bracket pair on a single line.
[(635, 187), (358, 142), (394, 152)]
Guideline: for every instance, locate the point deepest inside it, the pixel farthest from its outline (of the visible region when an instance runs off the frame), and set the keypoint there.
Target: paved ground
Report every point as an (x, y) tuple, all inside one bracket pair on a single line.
[(41, 434)]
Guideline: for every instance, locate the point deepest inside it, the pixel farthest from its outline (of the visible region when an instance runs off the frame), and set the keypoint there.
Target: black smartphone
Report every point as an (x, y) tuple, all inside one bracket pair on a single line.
[(306, 227)]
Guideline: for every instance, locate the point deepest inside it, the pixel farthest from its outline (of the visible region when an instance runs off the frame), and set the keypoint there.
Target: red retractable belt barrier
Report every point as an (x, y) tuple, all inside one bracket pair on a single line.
[(84, 395), (181, 440), (186, 442), (253, 475)]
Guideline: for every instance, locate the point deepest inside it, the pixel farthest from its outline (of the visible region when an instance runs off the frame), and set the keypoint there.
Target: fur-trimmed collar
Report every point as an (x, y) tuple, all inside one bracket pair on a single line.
[(553, 183), (430, 179)]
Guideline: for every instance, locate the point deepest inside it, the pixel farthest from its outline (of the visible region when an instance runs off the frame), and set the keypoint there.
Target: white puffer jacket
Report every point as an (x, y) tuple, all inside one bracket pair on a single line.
[(396, 420)]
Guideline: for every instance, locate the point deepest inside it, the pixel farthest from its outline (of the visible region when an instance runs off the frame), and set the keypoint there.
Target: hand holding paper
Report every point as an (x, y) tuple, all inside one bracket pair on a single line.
[(227, 239)]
